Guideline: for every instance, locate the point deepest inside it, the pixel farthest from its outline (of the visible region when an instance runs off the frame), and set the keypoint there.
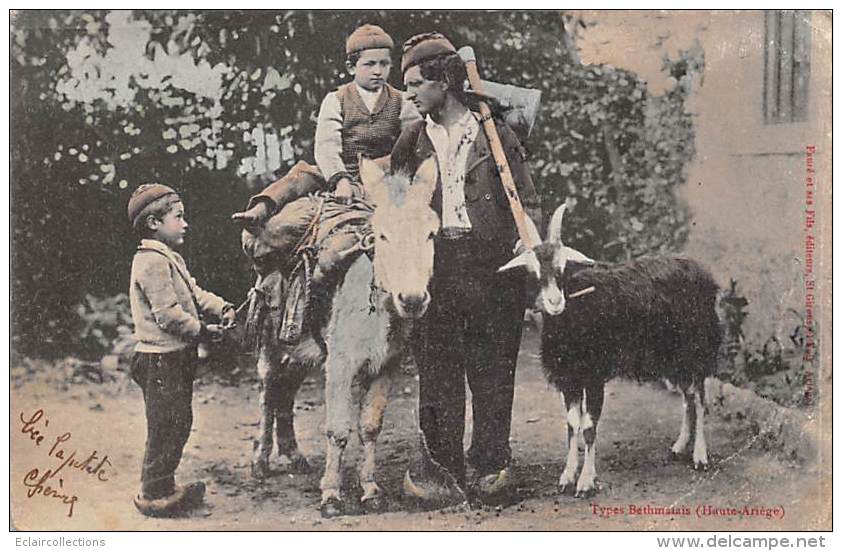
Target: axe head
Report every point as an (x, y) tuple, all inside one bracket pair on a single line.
[(515, 105)]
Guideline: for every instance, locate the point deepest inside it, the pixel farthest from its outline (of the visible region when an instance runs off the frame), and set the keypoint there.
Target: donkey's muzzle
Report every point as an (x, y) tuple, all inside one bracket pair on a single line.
[(412, 306)]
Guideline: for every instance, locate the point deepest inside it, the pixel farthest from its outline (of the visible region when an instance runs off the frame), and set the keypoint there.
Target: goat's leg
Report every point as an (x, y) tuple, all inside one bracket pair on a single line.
[(688, 418), (339, 377), (700, 451), (372, 407), (289, 381), (573, 400), (267, 370), (592, 409)]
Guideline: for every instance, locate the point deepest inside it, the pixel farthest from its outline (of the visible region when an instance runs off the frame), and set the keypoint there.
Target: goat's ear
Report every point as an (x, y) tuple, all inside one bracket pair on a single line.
[(372, 177), (554, 229), (527, 259), (575, 256), (424, 181)]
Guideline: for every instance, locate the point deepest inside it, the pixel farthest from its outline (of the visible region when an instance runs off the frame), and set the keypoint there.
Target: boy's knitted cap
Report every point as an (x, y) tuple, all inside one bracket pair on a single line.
[(422, 47), (143, 197), (368, 37)]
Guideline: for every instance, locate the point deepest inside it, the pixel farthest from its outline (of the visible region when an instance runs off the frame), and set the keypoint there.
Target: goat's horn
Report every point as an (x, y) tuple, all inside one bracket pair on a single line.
[(532, 231), (554, 230)]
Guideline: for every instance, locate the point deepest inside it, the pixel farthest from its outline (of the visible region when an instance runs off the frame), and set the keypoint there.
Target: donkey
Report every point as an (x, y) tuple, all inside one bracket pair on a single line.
[(365, 323), (650, 318)]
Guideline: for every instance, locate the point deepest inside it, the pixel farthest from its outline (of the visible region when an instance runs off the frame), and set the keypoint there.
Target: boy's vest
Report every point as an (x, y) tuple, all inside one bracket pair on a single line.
[(369, 134)]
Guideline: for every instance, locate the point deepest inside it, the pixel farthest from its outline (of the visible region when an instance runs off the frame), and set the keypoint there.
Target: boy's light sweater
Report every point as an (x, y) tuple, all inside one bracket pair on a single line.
[(162, 294)]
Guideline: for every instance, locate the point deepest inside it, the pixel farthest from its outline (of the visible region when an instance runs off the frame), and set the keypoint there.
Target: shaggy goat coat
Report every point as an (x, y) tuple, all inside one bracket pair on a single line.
[(651, 318)]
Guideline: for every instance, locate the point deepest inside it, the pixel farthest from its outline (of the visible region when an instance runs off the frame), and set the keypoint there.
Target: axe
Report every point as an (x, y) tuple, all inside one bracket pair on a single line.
[(482, 88)]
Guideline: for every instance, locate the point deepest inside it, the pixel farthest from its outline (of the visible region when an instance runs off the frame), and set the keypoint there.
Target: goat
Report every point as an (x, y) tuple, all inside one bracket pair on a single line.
[(365, 318), (650, 318)]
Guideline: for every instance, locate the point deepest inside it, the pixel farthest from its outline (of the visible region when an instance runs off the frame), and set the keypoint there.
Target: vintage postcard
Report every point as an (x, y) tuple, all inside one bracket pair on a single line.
[(420, 270)]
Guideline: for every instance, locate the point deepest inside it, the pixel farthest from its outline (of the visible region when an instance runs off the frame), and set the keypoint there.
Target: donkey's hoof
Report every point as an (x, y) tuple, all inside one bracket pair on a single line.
[(332, 507), (260, 469), (374, 504)]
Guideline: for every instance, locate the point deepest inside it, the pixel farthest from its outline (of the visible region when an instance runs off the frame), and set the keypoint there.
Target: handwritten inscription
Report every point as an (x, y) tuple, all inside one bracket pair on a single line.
[(50, 482)]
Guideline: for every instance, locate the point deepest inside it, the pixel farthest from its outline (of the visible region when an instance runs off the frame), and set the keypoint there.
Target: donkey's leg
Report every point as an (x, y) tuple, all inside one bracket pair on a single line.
[(373, 405), (289, 381), (688, 418), (592, 409), (339, 376), (700, 451), (573, 400), (267, 370)]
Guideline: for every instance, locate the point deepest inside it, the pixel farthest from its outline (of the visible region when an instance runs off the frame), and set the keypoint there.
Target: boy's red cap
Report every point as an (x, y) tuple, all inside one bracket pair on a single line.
[(144, 195), (368, 37)]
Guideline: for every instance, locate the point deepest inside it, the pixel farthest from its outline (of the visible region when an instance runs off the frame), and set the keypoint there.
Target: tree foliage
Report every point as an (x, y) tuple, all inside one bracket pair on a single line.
[(212, 102)]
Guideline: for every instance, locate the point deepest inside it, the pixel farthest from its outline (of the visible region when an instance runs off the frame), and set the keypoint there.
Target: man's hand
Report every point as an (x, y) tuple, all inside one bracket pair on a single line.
[(344, 191)]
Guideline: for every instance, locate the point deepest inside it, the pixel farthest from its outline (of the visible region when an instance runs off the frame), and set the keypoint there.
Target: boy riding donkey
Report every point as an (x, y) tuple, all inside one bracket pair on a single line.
[(296, 240), (361, 118)]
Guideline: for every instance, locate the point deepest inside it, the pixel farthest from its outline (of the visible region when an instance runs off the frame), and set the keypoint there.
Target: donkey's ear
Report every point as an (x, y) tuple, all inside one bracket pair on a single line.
[(372, 177), (425, 179)]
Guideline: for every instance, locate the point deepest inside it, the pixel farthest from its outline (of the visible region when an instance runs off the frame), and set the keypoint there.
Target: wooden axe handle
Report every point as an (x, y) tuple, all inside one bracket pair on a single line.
[(497, 150)]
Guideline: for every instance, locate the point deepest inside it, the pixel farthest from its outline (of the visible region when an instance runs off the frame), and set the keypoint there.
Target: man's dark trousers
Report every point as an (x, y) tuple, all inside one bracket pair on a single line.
[(167, 384), (473, 327)]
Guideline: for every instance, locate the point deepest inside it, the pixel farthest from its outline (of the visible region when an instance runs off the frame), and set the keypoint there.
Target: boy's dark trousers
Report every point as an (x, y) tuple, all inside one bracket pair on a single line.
[(167, 384), (473, 327)]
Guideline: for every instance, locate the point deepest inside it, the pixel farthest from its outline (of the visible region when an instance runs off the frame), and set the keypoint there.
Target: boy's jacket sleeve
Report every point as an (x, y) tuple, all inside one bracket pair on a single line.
[(208, 302), (156, 281)]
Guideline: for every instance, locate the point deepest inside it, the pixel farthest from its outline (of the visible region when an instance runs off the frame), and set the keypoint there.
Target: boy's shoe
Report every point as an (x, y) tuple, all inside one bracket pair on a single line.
[(182, 500)]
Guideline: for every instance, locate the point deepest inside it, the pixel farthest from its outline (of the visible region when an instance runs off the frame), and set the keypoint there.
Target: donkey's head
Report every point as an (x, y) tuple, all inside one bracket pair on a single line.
[(546, 263), (404, 225)]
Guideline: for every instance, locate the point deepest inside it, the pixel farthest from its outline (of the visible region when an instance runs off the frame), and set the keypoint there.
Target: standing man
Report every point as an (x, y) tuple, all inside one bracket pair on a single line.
[(473, 325)]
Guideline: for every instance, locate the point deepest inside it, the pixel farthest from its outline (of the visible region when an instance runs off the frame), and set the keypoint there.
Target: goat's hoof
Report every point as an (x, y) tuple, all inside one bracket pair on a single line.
[(332, 507), (700, 466), (374, 504), (566, 488), (677, 456), (260, 469), (586, 492)]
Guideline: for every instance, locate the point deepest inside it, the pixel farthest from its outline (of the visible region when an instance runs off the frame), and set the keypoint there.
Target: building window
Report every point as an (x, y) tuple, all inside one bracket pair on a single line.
[(787, 66)]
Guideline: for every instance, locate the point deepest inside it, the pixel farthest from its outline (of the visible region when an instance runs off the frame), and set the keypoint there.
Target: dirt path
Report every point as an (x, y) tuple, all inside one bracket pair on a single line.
[(639, 424)]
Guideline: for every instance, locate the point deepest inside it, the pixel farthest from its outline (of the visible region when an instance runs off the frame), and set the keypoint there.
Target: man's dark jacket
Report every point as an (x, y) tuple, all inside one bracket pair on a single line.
[(485, 199)]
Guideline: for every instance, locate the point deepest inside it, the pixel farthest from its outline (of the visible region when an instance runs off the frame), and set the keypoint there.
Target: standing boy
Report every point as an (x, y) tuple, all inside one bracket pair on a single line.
[(363, 117), (167, 306)]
